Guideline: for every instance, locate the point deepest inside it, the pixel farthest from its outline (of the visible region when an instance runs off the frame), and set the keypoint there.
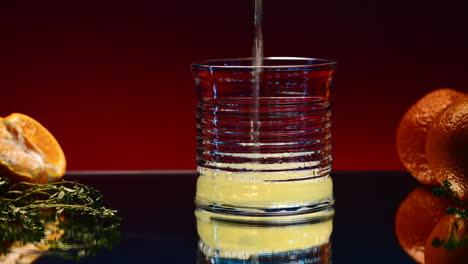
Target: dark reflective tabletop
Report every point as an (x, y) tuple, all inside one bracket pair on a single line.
[(158, 223)]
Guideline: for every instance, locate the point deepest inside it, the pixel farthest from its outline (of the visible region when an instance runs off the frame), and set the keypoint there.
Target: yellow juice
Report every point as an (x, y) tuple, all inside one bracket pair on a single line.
[(266, 190)]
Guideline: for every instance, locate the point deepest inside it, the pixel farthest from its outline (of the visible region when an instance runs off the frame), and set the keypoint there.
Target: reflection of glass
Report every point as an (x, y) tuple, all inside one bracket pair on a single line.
[(68, 238), (279, 239), (268, 154)]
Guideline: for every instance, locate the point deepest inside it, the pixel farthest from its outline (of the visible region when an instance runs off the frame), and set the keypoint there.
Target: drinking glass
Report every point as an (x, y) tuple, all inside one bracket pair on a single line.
[(264, 136)]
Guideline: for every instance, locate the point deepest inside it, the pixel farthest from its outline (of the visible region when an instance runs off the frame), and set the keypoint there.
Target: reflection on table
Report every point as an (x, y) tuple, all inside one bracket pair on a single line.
[(158, 220), (66, 238), (279, 239)]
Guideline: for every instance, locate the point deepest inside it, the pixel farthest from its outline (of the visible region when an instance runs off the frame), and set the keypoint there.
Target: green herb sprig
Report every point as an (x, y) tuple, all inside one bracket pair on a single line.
[(453, 241), (27, 203), (445, 190), (26, 209)]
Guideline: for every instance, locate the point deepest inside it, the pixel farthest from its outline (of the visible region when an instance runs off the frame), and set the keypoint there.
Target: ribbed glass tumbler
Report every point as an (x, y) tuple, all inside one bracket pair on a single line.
[(264, 136)]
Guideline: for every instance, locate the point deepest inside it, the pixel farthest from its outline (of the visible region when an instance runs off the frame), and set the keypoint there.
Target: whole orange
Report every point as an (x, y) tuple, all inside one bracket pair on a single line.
[(413, 128), (447, 147)]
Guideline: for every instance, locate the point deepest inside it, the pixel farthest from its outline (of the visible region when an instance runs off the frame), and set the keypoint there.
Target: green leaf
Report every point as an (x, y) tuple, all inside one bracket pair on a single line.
[(461, 212), (437, 192), (451, 211), (437, 242)]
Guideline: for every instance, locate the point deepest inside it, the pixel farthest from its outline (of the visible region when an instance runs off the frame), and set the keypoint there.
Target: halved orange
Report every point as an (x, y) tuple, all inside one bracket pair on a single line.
[(28, 151)]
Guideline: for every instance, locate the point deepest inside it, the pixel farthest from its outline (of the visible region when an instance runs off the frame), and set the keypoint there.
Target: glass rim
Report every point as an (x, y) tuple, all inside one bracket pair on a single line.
[(213, 64)]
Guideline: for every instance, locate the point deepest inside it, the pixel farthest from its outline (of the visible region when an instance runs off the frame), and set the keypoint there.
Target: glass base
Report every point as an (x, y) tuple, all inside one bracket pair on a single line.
[(285, 210), (314, 255)]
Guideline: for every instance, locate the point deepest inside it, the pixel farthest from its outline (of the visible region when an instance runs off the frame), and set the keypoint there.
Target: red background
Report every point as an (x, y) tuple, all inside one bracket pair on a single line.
[(111, 79)]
